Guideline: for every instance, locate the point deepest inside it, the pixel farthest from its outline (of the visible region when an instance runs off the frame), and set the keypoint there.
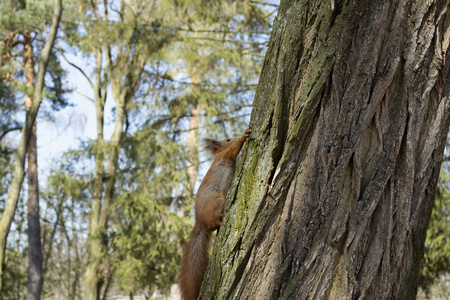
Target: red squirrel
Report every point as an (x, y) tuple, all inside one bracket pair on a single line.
[(209, 204)]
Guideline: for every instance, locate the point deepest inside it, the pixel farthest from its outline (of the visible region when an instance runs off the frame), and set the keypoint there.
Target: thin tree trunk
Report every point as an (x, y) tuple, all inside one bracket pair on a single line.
[(93, 277), (47, 254), (113, 161), (19, 173), (77, 270), (193, 135), (99, 216), (108, 282), (100, 210), (335, 191), (34, 228), (193, 141)]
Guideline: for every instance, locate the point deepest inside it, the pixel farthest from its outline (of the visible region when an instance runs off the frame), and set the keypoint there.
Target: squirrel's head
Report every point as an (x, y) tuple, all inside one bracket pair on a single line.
[(215, 146)]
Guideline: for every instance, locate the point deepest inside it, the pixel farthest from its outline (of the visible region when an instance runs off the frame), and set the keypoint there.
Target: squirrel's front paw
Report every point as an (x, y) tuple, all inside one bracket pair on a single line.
[(247, 132)]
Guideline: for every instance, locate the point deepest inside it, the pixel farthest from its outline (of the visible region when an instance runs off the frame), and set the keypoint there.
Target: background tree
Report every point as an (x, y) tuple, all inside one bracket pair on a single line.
[(66, 203), (126, 43), (338, 180), (11, 202), (213, 83), (133, 66), (22, 31), (14, 277), (436, 262), (217, 58), (146, 230)]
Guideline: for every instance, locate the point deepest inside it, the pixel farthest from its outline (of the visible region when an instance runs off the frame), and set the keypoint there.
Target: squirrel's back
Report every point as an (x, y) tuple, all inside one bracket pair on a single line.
[(217, 179)]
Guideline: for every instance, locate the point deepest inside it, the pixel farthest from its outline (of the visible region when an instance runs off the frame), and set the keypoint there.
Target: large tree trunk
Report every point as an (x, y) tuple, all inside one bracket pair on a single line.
[(19, 173), (334, 195), (34, 228)]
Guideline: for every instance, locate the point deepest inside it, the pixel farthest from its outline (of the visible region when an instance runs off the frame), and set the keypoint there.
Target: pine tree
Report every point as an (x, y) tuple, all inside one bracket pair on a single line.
[(11, 202)]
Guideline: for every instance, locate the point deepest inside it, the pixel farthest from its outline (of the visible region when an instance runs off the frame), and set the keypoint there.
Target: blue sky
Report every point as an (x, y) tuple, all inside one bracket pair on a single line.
[(72, 124)]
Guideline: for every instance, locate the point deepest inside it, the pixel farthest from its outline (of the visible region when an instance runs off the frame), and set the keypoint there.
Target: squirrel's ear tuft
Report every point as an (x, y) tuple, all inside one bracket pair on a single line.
[(212, 145)]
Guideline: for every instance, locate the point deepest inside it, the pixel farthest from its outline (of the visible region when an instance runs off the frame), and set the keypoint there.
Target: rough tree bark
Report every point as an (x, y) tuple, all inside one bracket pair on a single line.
[(34, 228), (334, 195), (19, 173)]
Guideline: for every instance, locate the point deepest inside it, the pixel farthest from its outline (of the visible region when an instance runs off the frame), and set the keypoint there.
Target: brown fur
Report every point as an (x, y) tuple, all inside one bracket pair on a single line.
[(209, 205)]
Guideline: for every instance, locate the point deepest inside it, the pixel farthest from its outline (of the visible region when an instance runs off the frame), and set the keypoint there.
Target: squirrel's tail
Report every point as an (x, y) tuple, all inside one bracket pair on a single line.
[(194, 263)]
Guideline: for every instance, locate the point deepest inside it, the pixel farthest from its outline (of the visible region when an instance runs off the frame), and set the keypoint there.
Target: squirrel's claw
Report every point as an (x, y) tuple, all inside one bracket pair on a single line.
[(247, 132)]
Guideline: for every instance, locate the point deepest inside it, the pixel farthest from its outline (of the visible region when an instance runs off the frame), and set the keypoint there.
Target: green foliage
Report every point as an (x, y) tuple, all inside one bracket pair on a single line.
[(437, 244), (6, 165), (8, 109), (28, 15), (15, 277), (62, 229), (8, 102), (146, 241), (215, 64), (56, 90), (28, 18), (132, 29), (146, 230)]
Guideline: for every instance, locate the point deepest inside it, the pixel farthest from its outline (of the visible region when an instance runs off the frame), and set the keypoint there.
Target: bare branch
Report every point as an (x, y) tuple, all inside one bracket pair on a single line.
[(4, 133), (85, 96), (74, 65)]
